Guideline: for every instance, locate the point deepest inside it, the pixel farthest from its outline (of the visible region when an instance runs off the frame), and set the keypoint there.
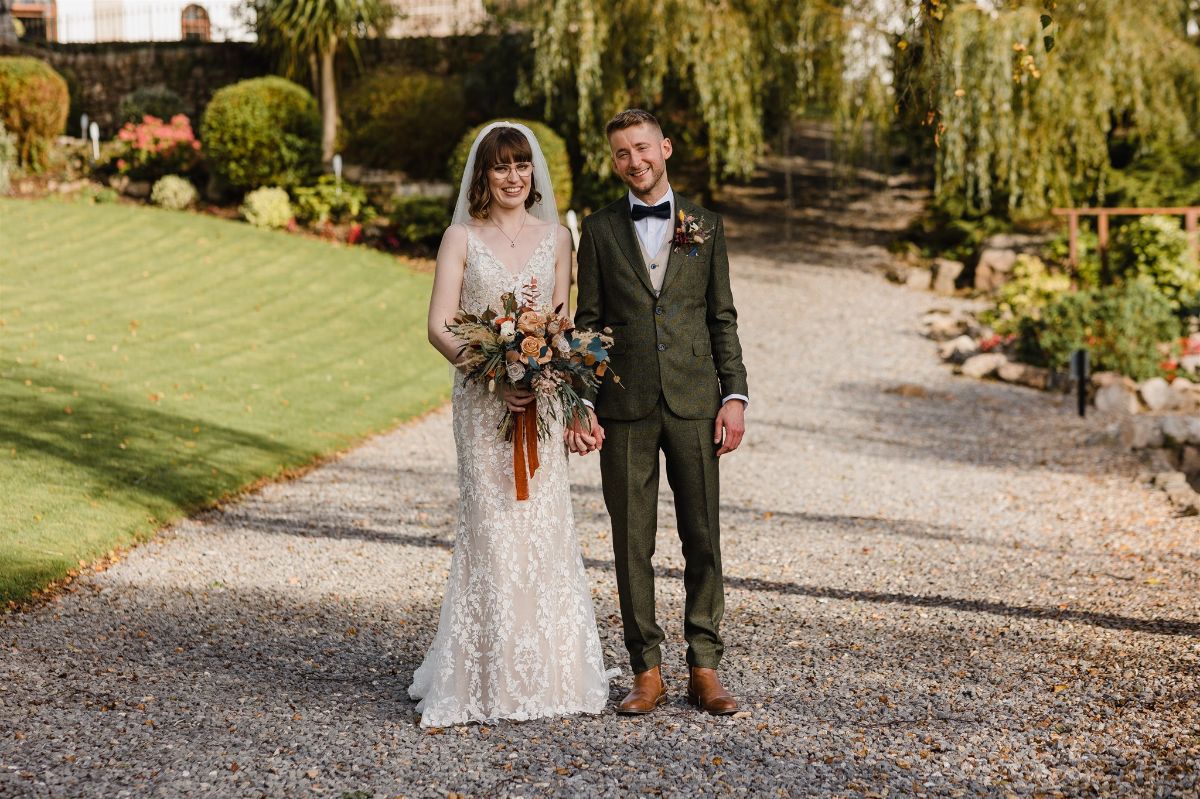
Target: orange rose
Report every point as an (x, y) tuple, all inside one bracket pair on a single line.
[(530, 323), (531, 346)]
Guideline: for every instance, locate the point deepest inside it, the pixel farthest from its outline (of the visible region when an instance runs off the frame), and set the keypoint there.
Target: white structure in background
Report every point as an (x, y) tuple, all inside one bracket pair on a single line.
[(209, 20), (436, 17)]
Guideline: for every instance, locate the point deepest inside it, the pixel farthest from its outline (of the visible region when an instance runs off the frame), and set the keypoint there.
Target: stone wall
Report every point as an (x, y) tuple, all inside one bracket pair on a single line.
[(99, 75)]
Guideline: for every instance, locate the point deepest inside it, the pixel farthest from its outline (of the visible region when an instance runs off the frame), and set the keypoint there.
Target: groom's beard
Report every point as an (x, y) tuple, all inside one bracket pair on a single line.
[(654, 188)]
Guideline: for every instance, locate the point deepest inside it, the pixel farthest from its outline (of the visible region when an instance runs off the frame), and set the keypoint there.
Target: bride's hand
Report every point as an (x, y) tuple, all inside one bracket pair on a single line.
[(583, 437), (515, 398)]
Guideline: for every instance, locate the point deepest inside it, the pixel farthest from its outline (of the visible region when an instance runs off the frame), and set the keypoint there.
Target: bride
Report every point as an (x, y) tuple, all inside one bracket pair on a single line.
[(517, 636)]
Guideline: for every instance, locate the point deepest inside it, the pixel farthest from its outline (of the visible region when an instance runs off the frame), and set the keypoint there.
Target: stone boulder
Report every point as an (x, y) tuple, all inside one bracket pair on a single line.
[(983, 364), (958, 349), (1141, 432), (1185, 395), (945, 273), (1156, 393), (994, 268), (921, 279), (1175, 430), (1024, 374), (1116, 397), (941, 325)]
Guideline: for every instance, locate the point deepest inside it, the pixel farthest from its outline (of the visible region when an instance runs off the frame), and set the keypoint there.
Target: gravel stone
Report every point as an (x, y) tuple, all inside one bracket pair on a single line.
[(928, 593)]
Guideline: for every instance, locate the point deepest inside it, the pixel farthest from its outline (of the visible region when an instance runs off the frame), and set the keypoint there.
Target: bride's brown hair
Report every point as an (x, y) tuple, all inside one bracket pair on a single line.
[(502, 145)]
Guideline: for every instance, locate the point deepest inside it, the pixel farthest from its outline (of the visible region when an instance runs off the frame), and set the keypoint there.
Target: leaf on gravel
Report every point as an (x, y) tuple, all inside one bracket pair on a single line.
[(312, 773), (234, 766), (1060, 687), (742, 714)]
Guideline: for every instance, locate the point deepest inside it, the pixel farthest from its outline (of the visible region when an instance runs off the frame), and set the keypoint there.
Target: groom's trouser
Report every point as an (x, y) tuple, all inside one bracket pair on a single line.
[(629, 467)]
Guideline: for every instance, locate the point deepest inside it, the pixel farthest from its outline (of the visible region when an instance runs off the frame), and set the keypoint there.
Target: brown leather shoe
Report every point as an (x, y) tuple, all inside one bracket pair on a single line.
[(706, 692), (648, 693)]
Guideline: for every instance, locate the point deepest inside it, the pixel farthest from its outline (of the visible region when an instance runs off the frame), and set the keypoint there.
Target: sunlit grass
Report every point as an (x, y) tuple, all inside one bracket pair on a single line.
[(152, 362)]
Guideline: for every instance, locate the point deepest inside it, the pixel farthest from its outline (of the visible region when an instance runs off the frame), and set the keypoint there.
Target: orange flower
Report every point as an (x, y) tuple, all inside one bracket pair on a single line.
[(531, 324), (532, 346)]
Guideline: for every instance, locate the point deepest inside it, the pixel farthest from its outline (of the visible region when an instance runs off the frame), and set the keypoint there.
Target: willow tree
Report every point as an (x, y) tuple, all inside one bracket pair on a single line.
[(1024, 110), (307, 34)]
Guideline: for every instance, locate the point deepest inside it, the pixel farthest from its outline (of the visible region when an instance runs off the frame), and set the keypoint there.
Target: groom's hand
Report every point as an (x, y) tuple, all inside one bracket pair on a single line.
[(730, 427), (583, 437)]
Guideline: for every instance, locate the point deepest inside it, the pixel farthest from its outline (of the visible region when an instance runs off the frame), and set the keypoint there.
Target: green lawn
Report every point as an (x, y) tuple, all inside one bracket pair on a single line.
[(152, 362)]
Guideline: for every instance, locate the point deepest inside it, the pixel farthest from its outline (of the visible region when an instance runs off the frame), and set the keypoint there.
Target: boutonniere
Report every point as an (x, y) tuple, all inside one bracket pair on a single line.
[(690, 232)]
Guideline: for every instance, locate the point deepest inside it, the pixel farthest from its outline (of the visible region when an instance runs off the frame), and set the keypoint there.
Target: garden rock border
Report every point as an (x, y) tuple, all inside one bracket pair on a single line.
[(1156, 419)]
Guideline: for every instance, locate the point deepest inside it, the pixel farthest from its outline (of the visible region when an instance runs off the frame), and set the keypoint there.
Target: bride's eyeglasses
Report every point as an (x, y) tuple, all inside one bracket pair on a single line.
[(523, 168)]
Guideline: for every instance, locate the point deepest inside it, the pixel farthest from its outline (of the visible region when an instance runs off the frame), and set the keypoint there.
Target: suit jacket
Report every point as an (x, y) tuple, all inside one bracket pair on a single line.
[(682, 344)]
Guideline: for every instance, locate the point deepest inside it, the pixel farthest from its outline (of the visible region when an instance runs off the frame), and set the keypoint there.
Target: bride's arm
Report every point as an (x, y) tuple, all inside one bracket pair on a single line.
[(562, 271), (447, 289)]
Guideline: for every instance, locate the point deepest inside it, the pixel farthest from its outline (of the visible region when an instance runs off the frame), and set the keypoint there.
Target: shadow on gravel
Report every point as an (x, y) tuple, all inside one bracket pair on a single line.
[(981, 424), (1161, 626)]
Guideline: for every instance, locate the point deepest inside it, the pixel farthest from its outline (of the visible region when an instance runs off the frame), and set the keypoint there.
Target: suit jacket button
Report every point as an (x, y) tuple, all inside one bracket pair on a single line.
[(659, 311), (662, 347)]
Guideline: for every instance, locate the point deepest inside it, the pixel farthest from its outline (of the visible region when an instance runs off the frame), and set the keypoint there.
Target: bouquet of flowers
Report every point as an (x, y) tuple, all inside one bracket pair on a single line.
[(537, 349)]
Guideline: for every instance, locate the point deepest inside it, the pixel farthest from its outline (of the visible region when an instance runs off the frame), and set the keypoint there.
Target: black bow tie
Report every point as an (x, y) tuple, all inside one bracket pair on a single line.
[(662, 211)]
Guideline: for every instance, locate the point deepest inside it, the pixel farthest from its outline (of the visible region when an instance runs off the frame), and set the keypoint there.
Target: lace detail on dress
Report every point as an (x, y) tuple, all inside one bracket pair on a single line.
[(517, 636)]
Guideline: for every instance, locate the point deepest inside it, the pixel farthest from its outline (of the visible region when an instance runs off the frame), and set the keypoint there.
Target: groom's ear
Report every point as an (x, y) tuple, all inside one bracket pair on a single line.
[(667, 148)]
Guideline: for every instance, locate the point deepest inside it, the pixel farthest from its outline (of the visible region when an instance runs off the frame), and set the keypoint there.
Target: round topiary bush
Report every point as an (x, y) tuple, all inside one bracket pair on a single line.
[(395, 119), (150, 101), (262, 132), (33, 106), (174, 193), (553, 147), (267, 207)]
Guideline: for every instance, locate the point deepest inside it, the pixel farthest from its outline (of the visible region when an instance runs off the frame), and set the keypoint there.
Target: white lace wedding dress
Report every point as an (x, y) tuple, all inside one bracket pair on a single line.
[(517, 637)]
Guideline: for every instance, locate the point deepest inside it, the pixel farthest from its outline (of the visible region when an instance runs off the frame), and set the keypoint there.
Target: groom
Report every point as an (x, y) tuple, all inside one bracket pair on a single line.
[(661, 283)]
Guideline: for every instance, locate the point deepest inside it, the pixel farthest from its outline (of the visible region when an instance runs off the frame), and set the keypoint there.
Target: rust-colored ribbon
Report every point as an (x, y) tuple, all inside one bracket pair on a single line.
[(525, 441)]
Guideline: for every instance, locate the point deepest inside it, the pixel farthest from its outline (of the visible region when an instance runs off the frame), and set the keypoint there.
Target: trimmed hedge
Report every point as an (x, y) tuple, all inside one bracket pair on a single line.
[(262, 132), (553, 147), (33, 106), (397, 119)]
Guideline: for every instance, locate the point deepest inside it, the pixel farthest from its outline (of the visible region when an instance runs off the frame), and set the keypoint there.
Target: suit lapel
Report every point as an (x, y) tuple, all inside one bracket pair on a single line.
[(677, 260), (626, 237)]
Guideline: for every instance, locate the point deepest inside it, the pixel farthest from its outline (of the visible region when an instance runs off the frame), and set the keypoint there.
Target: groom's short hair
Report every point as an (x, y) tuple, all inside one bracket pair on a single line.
[(630, 117)]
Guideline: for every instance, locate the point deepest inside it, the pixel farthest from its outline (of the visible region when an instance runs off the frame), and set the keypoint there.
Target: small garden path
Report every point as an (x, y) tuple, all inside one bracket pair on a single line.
[(935, 586)]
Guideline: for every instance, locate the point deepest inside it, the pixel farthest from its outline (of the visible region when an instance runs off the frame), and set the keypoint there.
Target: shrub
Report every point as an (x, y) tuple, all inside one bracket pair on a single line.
[(395, 119), (174, 193), (1088, 255), (8, 158), (1125, 327), (150, 101), (154, 148), (552, 146), (262, 132), (33, 106), (1156, 248), (418, 220), (327, 201), (267, 207), (1031, 289)]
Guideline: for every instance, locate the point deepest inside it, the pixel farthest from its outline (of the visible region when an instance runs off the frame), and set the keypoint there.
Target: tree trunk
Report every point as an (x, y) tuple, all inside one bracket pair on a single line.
[(329, 111), (314, 73)]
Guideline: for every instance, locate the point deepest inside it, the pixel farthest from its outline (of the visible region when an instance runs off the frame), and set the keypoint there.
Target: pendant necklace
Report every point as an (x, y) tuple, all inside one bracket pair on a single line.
[(512, 240)]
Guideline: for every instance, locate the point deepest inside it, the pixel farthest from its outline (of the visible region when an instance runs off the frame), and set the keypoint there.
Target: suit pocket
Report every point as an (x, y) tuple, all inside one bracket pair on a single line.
[(702, 345)]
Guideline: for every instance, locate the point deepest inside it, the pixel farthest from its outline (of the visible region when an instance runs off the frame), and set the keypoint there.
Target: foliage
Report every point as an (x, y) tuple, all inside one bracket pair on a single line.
[(1021, 129), (244, 355), (174, 193), (329, 201), (268, 207), (397, 119), (1087, 254), (8, 158), (150, 101), (1156, 248), (1124, 326), (418, 220), (553, 147), (1031, 289), (262, 131), (940, 234), (1154, 175), (154, 148), (33, 107), (305, 36)]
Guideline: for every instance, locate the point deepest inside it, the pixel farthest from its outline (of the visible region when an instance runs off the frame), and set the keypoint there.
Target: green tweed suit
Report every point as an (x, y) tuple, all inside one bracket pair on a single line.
[(677, 355)]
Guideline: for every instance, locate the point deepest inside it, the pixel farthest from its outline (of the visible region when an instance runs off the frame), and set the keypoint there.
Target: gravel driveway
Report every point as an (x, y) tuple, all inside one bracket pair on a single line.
[(934, 587)]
